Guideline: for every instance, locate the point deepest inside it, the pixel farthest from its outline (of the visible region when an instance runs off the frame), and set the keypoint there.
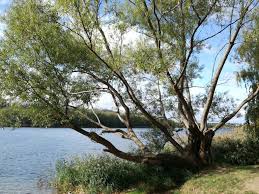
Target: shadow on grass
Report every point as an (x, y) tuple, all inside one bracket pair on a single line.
[(162, 180)]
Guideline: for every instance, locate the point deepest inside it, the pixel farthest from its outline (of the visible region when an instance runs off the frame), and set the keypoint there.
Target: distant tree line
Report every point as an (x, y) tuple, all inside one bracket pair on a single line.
[(17, 116), (110, 119)]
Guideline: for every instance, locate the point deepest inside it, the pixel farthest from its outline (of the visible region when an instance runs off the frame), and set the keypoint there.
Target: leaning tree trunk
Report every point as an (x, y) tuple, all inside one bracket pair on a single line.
[(199, 148), (197, 153)]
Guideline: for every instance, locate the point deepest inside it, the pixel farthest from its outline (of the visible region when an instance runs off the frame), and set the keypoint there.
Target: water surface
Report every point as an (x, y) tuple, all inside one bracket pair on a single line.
[(28, 156)]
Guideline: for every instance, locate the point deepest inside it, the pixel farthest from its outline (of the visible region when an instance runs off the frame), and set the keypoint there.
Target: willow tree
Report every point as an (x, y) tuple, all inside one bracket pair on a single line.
[(60, 56), (249, 53)]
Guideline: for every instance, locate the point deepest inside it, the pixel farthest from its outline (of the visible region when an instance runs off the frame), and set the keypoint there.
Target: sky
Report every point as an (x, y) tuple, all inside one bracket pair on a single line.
[(206, 58), (4, 4)]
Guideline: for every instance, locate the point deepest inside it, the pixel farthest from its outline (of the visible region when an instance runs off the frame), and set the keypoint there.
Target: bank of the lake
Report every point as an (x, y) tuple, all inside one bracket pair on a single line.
[(235, 170)]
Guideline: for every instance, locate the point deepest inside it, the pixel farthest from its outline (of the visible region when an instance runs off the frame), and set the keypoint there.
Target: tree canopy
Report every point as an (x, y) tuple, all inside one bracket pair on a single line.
[(249, 53), (58, 57)]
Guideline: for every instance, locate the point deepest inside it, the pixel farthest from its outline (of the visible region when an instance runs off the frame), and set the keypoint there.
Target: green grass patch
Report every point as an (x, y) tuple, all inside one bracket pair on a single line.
[(221, 180)]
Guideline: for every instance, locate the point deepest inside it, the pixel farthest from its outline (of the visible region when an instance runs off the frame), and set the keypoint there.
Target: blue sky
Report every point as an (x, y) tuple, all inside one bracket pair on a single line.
[(4, 4), (206, 58)]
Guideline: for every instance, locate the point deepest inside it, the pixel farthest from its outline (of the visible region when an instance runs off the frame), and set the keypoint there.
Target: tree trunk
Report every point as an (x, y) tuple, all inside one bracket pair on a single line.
[(197, 153), (205, 149), (199, 148)]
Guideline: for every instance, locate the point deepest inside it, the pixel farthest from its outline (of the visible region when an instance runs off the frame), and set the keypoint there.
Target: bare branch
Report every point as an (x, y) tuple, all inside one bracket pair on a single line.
[(217, 33), (109, 146), (83, 25), (214, 63), (106, 43), (96, 116), (200, 22), (89, 91), (131, 134), (161, 101), (230, 116), (119, 131), (161, 59), (151, 26), (98, 123), (195, 11), (153, 120), (133, 3), (231, 18), (158, 22), (191, 124), (208, 103)]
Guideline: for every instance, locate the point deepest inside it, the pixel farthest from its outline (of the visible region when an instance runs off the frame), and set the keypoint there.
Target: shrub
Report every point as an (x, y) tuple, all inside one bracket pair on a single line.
[(106, 174), (237, 151), (156, 139)]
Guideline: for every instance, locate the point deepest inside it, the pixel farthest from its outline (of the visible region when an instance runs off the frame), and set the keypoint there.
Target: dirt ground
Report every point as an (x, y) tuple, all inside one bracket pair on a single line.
[(253, 185)]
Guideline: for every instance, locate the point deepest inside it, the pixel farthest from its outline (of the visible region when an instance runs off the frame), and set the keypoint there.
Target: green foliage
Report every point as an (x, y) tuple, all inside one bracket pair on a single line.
[(50, 49), (175, 27), (237, 151), (249, 52), (11, 116), (106, 174), (40, 55), (155, 139), (249, 48)]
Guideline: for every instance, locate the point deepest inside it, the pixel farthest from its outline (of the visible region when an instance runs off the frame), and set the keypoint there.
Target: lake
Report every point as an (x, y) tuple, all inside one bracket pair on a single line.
[(28, 156)]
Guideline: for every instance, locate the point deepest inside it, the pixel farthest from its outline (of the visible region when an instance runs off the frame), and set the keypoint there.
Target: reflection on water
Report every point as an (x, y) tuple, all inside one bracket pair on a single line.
[(28, 156)]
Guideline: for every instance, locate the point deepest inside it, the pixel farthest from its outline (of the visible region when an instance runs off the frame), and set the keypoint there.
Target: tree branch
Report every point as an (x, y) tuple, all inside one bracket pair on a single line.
[(131, 94), (109, 146), (203, 124), (217, 33), (127, 122), (191, 124), (230, 116), (200, 22)]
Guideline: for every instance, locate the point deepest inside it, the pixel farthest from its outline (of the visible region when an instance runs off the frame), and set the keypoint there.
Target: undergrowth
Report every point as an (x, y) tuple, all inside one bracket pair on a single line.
[(106, 174)]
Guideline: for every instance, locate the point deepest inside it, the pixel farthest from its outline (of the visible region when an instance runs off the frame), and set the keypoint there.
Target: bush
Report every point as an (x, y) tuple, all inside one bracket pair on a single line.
[(156, 139), (106, 174), (237, 151)]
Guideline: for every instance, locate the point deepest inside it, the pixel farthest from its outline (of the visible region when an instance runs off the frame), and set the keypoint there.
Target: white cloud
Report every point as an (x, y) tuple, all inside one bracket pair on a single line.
[(128, 38), (104, 102), (209, 49), (2, 27)]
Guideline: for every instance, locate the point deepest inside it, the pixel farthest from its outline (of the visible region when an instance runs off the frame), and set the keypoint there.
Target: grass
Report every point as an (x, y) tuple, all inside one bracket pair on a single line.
[(227, 180), (106, 174), (109, 175), (221, 180)]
